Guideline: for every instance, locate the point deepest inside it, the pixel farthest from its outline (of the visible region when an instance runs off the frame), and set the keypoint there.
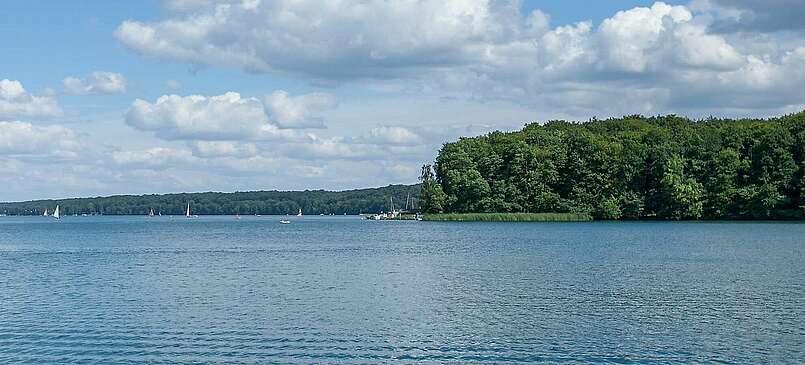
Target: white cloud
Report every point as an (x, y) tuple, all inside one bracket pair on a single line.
[(98, 82), (297, 111), (16, 102), (11, 89), (643, 39), (390, 135), (223, 149), (21, 139), (226, 117), (222, 117), (330, 40), (479, 49)]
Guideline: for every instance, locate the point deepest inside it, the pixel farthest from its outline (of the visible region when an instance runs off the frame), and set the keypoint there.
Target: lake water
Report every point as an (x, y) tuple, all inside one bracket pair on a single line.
[(215, 290)]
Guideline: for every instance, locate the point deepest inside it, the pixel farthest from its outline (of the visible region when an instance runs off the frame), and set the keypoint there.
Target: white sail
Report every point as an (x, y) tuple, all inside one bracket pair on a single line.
[(46, 213), (187, 213), (56, 213), (300, 213)]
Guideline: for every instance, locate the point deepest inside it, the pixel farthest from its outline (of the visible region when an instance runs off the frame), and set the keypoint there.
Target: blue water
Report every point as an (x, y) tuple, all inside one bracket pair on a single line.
[(215, 290)]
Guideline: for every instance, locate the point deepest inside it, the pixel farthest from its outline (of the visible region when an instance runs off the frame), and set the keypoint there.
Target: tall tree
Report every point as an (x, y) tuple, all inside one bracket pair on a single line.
[(431, 196)]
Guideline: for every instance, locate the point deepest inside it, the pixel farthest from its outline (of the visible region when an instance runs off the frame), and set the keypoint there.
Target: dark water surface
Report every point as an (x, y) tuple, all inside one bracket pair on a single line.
[(215, 290)]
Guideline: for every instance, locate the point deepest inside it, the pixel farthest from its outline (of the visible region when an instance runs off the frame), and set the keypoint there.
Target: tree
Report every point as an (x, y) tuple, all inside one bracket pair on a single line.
[(683, 195), (431, 196)]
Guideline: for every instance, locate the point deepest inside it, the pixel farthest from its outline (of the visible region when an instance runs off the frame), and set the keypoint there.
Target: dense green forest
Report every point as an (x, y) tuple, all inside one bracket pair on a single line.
[(664, 167), (253, 202)]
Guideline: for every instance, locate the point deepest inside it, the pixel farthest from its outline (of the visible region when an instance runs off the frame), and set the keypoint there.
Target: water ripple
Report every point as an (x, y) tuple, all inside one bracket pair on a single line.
[(337, 290)]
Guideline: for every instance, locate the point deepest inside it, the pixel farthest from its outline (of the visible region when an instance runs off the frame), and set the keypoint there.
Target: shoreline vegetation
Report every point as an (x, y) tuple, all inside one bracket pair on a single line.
[(508, 217), (630, 168)]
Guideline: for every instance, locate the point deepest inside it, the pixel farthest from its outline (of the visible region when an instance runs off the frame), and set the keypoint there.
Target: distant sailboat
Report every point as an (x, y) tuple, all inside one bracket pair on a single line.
[(300, 213), (56, 213), (151, 212), (46, 213), (187, 213)]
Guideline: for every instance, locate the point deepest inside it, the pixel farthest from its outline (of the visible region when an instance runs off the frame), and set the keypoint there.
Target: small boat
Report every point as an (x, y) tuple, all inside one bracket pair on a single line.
[(56, 213), (46, 213), (300, 213), (187, 212), (285, 221), (151, 212), (237, 216)]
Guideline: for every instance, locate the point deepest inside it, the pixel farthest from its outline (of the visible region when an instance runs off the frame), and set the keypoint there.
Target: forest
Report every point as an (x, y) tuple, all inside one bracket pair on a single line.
[(253, 202), (635, 167)]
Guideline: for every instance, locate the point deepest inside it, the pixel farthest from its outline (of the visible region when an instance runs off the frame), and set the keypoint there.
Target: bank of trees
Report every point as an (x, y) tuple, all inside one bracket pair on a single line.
[(665, 167), (253, 202)]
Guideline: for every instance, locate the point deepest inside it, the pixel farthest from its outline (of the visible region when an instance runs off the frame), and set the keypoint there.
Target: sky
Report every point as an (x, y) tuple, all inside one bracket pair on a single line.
[(134, 97)]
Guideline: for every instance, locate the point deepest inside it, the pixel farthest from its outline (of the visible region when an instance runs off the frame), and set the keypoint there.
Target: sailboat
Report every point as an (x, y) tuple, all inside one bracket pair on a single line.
[(300, 213), (56, 213), (151, 212), (46, 213), (187, 213)]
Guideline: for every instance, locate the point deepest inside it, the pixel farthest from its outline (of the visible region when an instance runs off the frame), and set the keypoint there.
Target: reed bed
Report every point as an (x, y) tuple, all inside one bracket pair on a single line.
[(508, 217)]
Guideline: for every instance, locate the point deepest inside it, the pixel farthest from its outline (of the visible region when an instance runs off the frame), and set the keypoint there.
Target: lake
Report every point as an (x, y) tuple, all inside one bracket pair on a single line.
[(216, 290)]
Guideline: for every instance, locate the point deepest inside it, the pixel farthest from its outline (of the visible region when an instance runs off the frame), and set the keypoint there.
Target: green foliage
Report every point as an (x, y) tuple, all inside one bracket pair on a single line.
[(431, 196), (252, 202), (682, 194), (664, 167), (508, 217), (609, 209)]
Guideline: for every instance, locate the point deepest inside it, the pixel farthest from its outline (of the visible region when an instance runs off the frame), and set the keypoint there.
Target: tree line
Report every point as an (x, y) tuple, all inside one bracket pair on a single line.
[(635, 167), (254, 202)]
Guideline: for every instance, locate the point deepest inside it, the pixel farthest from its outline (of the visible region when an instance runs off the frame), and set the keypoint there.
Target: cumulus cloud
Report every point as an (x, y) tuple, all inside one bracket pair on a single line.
[(329, 40), (643, 39), (98, 82), (21, 139), (227, 117), (16, 102), (481, 49), (297, 111)]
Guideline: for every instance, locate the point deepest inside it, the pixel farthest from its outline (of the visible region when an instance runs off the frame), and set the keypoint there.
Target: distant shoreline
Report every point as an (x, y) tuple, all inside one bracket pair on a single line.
[(262, 202)]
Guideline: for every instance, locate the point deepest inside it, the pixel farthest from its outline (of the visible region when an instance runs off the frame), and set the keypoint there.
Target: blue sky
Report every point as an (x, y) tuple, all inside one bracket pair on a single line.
[(110, 97)]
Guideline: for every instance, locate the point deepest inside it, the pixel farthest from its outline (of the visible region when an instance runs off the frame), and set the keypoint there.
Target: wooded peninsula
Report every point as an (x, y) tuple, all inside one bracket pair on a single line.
[(635, 167)]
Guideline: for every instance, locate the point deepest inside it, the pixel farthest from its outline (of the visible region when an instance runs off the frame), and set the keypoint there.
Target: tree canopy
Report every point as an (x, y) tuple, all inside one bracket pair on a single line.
[(635, 167)]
